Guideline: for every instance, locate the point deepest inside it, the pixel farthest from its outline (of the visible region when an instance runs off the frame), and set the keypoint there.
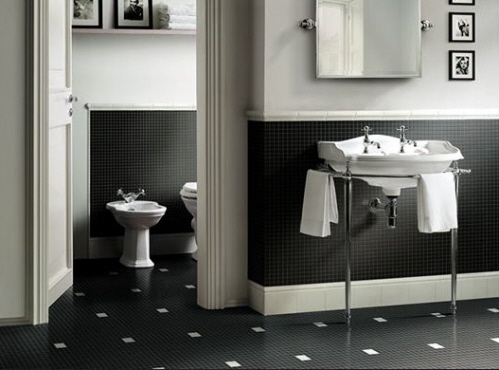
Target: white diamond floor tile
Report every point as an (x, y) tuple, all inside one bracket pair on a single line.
[(258, 329), (303, 358), (436, 345)]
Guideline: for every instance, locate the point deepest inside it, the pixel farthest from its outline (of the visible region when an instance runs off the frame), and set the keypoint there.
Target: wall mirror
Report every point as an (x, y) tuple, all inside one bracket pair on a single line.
[(368, 38)]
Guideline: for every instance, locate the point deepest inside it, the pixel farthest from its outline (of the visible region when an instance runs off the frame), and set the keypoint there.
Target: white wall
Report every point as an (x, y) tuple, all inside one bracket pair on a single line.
[(289, 65), (12, 160), (124, 69)]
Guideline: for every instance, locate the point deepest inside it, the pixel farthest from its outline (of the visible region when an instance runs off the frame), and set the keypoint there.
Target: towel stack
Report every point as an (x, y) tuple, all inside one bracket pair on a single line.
[(177, 17)]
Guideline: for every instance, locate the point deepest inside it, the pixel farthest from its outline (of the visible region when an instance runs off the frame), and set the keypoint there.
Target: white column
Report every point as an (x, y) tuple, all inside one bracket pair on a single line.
[(211, 257)]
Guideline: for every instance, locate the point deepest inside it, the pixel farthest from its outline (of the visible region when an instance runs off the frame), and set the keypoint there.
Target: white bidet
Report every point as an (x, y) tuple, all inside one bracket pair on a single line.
[(136, 217)]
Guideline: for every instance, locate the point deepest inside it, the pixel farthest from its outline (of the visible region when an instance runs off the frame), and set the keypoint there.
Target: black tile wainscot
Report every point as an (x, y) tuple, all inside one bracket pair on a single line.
[(154, 150), (280, 153)]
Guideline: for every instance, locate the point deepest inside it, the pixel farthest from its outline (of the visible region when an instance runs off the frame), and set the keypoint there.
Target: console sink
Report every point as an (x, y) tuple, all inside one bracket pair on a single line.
[(383, 164)]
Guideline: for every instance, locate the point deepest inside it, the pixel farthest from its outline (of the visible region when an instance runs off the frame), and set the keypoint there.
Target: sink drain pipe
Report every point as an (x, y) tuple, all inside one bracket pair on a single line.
[(390, 209)]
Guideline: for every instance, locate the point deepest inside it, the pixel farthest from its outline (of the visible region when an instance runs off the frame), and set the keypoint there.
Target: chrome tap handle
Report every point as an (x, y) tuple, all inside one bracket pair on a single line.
[(366, 130), (402, 130)]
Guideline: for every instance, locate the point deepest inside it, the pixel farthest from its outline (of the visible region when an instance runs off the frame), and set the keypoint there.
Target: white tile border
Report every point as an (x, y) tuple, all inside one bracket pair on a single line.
[(131, 106), (384, 292), (367, 115)]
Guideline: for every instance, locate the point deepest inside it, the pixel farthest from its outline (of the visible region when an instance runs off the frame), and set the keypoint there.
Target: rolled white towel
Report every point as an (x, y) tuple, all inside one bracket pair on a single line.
[(164, 23), (182, 19), (187, 9), (163, 9), (182, 26)]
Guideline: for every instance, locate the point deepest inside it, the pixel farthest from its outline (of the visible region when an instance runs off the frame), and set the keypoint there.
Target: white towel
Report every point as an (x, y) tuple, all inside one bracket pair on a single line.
[(437, 205), (181, 26), (319, 204), (182, 19), (187, 9)]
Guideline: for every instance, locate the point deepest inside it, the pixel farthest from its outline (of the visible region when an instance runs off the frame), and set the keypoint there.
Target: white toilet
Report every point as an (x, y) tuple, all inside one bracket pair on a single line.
[(136, 217), (189, 195)]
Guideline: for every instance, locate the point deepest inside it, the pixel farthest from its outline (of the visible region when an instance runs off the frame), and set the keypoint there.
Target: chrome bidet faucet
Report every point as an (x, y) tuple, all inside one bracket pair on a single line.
[(403, 140), (130, 197)]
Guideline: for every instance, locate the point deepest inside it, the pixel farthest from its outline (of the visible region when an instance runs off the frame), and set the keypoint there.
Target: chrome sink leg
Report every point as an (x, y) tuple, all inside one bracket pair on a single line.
[(453, 304), (348, 253)]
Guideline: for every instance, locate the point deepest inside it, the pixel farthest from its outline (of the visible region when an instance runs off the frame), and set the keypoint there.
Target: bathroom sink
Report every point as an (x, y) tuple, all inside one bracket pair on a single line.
[(137, 206), (384, 165)]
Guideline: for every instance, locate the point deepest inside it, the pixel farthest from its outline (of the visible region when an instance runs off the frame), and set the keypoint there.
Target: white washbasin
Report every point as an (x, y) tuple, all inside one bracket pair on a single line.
[(386, 166)]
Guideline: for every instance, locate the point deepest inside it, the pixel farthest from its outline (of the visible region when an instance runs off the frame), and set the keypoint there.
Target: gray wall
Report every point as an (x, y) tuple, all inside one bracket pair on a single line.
[(12, 159), (285, 56)]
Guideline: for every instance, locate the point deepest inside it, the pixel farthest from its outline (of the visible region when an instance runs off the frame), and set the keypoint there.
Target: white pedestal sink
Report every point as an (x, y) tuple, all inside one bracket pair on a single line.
[(384, 165)]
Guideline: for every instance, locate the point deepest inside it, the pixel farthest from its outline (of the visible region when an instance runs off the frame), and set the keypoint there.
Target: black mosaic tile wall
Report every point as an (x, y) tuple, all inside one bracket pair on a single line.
[(280, 153), (153, 150)]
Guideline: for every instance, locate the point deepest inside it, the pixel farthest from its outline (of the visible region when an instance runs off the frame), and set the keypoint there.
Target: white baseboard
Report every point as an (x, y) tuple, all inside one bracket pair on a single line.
[(62, 281), (15, 321), (369, 293), (160, 244)]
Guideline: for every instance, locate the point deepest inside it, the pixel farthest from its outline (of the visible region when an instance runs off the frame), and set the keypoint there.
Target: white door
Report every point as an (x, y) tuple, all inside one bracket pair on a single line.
[(59, 213)]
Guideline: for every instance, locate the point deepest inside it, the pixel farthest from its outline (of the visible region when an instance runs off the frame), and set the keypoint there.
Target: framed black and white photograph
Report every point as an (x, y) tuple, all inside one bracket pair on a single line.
[(462, 27), (461, 65), (133, 13), (87, 14), (462, 2)]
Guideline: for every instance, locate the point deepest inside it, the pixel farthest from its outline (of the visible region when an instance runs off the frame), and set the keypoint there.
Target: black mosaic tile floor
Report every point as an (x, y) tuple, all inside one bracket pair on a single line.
[(120, 318)]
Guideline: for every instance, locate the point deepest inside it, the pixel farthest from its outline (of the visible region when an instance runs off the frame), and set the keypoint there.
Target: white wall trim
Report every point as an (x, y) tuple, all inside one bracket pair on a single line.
[(370, 293), (160, 244), (211, 272), (15, 321), (368, 115), (37, 310), (62, 281), (134, 107)]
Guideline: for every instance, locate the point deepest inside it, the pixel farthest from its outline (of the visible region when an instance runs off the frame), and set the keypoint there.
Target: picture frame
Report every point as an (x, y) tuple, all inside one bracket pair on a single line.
[(462, 2), (462, 65), (133, 13), (461, 27), (87, 14)]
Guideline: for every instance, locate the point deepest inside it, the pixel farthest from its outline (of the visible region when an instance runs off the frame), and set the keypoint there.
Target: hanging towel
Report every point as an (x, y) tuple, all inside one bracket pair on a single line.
[(319, 204), (437, 205)]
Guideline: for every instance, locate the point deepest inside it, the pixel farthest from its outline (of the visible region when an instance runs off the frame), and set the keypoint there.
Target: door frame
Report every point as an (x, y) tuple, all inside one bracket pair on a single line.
[(211, 282), (37, 89)]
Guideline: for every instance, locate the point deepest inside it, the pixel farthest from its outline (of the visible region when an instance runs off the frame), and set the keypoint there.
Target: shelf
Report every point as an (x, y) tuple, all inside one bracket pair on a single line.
[(132, 31)]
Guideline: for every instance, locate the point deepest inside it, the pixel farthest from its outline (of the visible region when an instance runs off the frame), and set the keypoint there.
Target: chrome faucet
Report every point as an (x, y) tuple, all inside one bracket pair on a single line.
[(367, 141), (403, 140), (130, 197)]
